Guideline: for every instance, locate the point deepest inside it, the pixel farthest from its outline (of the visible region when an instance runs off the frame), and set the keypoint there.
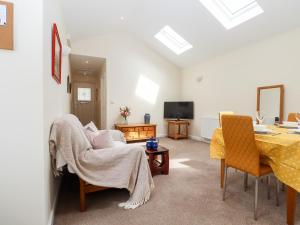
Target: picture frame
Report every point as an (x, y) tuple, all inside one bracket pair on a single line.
[(56, 54)]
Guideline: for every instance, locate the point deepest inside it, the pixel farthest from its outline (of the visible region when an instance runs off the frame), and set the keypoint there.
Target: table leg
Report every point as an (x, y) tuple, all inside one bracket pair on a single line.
[(291, 197), (222, 172), (165, 160), (151, 163)]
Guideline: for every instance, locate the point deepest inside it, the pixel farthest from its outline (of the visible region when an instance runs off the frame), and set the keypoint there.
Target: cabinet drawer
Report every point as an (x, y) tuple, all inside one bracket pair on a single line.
[(150, 134), (127, 129), (131, 135), (149, 128), (139, 129), (143, 134)]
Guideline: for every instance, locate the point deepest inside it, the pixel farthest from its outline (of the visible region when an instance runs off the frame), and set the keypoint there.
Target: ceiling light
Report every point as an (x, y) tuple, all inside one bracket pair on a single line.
[(122, 18), (173, 40), (231, 13)]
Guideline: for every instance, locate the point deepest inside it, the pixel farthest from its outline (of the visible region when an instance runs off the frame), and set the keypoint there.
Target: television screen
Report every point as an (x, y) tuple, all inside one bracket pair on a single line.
[(179, 110)]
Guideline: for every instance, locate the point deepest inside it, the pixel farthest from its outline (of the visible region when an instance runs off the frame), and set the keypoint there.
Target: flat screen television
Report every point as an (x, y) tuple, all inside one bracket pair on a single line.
[(179, 110)]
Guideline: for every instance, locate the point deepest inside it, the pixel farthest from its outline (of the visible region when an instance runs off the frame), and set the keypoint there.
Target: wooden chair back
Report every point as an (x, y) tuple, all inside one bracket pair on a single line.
[(224, 113), (240, 147), (292, 117)]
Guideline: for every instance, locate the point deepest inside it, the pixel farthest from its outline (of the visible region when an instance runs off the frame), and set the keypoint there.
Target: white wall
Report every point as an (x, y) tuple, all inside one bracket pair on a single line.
[(126, 60), (31, 99), (230, 81), (56, 100), (22, 149)]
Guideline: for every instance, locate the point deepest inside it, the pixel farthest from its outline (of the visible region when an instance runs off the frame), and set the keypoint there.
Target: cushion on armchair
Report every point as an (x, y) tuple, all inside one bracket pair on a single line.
[(103, 138), (91, 126)]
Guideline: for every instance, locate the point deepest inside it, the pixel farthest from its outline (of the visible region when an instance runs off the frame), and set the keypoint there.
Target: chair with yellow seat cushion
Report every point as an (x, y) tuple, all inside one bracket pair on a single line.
[(292, 117), (224, 113), (241, 152)]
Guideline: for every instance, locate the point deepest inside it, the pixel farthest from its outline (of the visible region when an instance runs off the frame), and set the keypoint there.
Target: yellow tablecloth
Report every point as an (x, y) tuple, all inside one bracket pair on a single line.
[(282, 153)]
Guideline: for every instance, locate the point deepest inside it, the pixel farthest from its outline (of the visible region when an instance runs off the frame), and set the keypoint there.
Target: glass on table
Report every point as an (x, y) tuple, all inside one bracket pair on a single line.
[(259, 117)]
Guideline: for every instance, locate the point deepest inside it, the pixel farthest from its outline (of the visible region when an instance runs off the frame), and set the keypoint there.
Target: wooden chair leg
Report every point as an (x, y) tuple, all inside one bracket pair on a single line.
[(245, 181), (269, 187), (222, 168), (282, 187), (277, 191), (82, 195)]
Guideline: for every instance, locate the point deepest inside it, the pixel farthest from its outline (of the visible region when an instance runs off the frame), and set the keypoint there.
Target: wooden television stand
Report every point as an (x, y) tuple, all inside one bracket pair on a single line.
[(178, 129)]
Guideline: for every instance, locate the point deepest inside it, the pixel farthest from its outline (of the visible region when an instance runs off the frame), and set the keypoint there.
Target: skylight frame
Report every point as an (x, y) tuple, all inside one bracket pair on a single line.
[(228, 7), (173, 40), (231, 19)]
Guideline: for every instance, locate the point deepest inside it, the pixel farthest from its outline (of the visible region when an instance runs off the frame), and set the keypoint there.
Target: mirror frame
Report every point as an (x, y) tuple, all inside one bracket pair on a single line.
[(281, 87)]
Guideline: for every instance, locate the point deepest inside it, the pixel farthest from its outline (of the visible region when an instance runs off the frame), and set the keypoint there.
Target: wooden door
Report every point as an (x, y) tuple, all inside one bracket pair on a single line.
[(84, 102)]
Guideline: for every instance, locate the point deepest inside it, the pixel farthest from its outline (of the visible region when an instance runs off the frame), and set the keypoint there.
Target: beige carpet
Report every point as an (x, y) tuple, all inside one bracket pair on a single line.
[(189, 195)]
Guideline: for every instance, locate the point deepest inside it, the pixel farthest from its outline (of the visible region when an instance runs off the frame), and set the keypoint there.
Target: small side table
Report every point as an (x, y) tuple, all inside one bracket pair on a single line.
[(181, 129), (156, 166)]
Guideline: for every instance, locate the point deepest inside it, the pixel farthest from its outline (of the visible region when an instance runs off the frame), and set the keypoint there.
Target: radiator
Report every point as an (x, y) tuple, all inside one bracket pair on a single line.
[(208, 125)]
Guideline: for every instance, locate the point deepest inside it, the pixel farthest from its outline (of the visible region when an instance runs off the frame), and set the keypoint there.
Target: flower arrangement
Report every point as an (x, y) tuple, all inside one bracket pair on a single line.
[(125, 112)]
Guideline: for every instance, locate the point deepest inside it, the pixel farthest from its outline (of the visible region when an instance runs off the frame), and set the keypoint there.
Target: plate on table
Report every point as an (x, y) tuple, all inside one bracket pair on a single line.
[(263, 131), (289, 125), (295, 131)]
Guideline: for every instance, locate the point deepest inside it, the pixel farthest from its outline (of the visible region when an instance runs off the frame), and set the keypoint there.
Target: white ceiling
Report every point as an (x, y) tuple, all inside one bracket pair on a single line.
[(144, 18)]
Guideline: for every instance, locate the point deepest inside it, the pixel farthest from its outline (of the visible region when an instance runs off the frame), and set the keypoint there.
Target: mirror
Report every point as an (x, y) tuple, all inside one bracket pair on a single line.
[(270, 102)]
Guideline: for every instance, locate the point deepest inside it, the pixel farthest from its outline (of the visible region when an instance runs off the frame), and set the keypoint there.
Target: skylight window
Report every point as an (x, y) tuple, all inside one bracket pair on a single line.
[(173, 40), (231, 13)]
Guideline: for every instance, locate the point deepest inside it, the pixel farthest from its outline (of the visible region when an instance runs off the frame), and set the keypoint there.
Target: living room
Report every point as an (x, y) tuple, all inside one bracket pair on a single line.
[(221, 68)]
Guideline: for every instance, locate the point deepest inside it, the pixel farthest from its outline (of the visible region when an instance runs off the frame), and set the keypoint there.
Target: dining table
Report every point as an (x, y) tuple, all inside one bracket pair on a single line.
[(280, 149)]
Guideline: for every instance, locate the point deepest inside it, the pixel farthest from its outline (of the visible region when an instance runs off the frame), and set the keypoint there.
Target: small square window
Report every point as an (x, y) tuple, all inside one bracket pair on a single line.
[(84, 94)]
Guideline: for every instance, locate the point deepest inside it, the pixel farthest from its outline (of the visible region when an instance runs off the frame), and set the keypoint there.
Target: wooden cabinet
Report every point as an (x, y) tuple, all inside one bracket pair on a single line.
[(137, 132), (178, 129)]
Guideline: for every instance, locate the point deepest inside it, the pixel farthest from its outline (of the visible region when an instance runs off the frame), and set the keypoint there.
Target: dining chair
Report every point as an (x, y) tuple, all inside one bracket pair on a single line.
[(242, 154), (292, 117), (224, 113)]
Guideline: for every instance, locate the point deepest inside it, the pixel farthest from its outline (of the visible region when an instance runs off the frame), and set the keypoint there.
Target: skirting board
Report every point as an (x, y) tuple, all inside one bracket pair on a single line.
[(53, 209), (161, 135), (197, 138)]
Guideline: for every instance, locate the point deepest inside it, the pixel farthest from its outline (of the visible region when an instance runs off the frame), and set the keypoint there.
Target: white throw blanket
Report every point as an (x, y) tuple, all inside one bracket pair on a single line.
[(118, 167)]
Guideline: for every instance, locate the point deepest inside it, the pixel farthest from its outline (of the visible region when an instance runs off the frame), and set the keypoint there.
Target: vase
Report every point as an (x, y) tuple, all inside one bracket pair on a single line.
[(147, 118), (125, 121)]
